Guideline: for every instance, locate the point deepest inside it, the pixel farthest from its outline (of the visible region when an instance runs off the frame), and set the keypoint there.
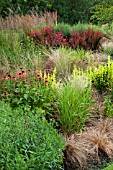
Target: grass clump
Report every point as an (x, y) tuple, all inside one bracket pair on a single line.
[(108, 48), (74, 102), (19, 52), (64, 60), (88, 145), (27, 22)]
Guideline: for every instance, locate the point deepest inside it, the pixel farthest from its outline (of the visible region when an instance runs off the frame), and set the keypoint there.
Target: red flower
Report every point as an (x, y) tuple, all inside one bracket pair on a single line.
[(13, 78), (20, 75), (38, 76), (46, 82), (6, 77), (23, 73), (109, 89)]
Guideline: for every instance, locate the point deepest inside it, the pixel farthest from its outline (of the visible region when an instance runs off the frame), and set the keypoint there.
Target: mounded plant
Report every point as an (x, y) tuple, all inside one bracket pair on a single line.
[(88, 40), (66, 29), (28, 141)]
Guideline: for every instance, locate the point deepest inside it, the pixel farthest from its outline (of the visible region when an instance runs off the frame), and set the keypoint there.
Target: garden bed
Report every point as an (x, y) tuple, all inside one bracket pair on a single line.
[(56, 99)]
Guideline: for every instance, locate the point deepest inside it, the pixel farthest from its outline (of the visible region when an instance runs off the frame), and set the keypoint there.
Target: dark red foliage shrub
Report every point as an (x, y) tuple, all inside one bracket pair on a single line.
[(48, 37), (36, 35), (75, 38), (54, 40), (47, 31), (89, 39)]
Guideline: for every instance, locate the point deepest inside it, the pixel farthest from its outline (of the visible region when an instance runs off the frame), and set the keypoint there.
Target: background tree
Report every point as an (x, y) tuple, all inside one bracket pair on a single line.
[(102, 12), (69, 11)]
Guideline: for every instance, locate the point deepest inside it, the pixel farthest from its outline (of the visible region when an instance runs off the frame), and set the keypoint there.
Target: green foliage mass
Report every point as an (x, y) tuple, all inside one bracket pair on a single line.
[(110, 167), (28, 141), (102, 12), (69, 11)]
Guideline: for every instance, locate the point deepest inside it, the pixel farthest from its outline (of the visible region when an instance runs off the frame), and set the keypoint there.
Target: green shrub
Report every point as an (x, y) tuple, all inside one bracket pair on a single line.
[(102, 12), (108, 104), (80, 27), (110, 167), (66, 29), (74, 102), (28, 141), (110, 27)]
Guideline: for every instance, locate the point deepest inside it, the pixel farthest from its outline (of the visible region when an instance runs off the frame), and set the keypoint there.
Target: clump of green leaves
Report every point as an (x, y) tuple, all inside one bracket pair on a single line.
[(28, 141), (66, 29), (102, 12), (110, 167)]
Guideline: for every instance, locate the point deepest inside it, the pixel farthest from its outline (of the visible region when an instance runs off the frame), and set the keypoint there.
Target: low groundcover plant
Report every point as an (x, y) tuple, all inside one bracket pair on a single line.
[(28, 141)]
